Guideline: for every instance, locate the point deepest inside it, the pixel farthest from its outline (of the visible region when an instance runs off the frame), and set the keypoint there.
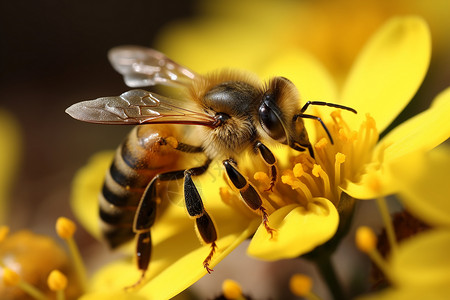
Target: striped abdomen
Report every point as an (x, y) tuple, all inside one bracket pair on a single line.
[(137, 161)]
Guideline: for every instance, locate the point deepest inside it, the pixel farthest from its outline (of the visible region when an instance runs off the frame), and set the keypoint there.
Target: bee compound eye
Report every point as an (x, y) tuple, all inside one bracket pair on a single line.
[(271, 123)]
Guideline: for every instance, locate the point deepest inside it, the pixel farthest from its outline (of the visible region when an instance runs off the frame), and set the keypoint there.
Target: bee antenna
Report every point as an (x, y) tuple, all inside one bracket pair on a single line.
[(326, 104), (305, 116)]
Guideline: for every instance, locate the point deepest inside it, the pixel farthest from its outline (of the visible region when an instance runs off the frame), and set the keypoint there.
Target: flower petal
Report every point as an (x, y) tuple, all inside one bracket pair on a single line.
[(177, 255), (306, 72), (420, 133), (424, 191), (389, 70), (176, 262), (86, 186), (299, 230), (423, 261)]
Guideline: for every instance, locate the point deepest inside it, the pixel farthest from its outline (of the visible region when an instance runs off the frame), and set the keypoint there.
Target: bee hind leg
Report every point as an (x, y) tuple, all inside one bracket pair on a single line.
[(144, 220), (248, 193)]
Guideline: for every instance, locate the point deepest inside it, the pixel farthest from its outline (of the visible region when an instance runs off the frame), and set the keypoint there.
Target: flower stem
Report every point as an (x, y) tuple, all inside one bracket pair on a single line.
[(326, 270), (385, 215)]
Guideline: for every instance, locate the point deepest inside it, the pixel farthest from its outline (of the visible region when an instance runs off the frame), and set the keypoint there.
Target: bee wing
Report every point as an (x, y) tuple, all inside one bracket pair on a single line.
[(142, 66), (139, 107)]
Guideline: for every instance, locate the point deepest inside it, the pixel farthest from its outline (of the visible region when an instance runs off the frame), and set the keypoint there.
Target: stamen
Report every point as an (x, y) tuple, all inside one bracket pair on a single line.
[(375, 184), (66, 229), (232, 290), (301, 285), (296, 184), (339, 160), (366, 241), (11, 278), (319, 172), (299, 172), (57, 282)]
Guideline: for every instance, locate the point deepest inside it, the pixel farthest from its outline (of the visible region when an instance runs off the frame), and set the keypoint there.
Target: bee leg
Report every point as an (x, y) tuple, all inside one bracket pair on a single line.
[(144, 219), (270, 160), (247, 192), (195, 208)]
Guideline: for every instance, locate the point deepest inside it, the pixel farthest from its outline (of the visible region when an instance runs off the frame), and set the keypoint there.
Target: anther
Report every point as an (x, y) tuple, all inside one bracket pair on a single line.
[(301, 285), (232, 290), (57, 282), (65, 228)]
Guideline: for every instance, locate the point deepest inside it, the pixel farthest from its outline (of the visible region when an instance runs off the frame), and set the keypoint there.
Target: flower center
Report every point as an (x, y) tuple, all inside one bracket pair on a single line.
[(334, 164)]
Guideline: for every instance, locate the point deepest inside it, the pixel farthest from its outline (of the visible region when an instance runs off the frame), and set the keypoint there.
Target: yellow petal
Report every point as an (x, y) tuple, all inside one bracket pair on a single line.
[(371, 185), (306, 72), (86, 187), (422, 132), (389, 70), (176, 262), (298, 230), (423, 261), (10, 154), (115, 295), (424, 190), (227, 36)]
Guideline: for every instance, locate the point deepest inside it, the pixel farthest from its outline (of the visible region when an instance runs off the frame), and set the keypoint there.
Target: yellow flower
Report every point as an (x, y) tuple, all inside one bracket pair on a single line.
[(303, 203), (419, 267), (245, 33)]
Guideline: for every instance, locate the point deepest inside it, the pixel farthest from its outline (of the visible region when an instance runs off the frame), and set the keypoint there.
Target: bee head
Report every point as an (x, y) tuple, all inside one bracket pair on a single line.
[(279, 104)]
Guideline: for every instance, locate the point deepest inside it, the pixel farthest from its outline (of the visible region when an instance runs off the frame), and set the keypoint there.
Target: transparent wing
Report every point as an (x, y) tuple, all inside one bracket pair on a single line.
[(139, 107), (142, 66)]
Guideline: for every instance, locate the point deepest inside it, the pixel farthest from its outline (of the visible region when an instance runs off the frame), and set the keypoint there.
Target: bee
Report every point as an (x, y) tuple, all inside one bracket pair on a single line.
[(229, 111)]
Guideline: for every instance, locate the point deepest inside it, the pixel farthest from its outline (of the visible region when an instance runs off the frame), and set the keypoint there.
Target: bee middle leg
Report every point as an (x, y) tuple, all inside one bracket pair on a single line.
[(195, 209), (270, 160), (247, 191)]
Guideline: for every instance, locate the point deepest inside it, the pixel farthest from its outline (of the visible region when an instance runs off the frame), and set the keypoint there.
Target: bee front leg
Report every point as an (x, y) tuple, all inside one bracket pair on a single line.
[(195, 208), (270, 160), (247, 191)]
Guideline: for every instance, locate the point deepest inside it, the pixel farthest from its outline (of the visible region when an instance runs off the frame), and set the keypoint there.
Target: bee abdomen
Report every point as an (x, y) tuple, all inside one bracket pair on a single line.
[(137, 161)]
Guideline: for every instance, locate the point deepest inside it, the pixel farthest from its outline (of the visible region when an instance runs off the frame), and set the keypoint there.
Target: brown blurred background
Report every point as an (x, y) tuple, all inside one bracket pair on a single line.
[(53, 54)]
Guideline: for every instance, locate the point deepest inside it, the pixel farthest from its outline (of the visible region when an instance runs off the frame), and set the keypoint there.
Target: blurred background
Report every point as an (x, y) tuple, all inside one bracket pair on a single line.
[(53, 54)]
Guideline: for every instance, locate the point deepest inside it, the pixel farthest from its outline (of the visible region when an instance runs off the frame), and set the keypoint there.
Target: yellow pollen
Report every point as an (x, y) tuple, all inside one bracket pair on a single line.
[(225, 194), (232, 290), (262, 177), (57, 281), (319, 172), (365, 239), (4, 231), (300, 285), (298, 170), (65, 228), (171, 141)]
